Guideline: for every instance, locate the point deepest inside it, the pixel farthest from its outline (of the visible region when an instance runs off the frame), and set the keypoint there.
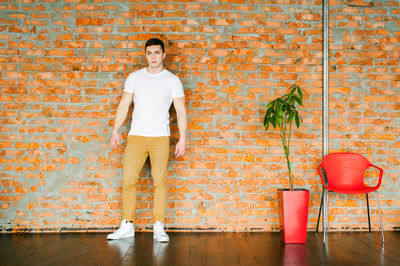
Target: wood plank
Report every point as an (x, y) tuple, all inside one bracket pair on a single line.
[(390, 248), (176, 252), (197, 253), (345, 248), (14, 248), (214, 252), (266, 248), (236, 250), (143, 250), (49, 249), (316, 250), (114, 252)]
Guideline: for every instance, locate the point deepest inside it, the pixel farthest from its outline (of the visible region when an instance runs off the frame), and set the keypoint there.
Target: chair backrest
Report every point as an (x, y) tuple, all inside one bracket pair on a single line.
[(345, 170)]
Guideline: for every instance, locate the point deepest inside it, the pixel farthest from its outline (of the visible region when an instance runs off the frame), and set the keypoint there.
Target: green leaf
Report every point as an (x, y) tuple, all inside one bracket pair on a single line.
[(267, 119), (279, 106), (297, 119), (266, 125), (300, 93), (291, 115), (298, 100), (278, 114), (292, 100), (273, 121)]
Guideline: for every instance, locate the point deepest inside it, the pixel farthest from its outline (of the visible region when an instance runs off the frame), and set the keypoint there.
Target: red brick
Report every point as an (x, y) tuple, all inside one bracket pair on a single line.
[(89, 21), (58, 52)]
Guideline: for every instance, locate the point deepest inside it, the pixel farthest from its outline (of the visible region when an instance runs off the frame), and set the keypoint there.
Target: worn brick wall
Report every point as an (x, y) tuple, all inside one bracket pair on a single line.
[(63, 64)]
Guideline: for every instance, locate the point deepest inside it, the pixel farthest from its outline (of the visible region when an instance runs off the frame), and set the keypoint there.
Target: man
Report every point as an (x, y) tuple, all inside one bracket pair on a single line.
[(152, 90)]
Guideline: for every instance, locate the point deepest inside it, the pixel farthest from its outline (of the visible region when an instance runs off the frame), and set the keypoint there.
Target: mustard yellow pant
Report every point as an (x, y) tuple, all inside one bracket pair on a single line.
[(136, 152)]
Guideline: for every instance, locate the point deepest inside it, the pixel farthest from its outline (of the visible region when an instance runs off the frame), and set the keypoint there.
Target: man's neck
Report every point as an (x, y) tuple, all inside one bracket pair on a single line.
[(155, 70)]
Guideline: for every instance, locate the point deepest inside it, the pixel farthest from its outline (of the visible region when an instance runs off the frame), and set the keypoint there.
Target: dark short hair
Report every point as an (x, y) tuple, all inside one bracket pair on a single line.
[(155, 41)]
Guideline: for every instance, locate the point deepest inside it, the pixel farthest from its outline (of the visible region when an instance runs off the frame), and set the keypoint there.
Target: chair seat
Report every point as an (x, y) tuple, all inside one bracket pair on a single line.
[(352, 190)]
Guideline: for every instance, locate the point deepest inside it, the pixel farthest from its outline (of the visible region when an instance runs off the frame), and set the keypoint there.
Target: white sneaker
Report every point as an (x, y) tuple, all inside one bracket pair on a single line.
[(126, 230), (159, 233)]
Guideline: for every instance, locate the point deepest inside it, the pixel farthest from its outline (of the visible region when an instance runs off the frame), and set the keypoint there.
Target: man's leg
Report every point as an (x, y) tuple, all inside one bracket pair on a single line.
[(134, 158), (159, 153)]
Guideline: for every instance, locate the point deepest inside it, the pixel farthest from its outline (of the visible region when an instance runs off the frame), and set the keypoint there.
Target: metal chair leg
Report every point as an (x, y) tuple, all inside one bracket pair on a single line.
[(369, 219), (326, 214), (380, 216), (320, 207)]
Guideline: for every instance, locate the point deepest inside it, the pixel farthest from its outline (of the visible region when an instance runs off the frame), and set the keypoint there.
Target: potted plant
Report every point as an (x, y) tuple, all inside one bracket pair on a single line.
[(293, 203)]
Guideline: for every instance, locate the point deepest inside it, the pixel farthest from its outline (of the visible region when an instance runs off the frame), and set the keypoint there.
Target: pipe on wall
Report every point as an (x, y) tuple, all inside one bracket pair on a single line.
[(325, 101)]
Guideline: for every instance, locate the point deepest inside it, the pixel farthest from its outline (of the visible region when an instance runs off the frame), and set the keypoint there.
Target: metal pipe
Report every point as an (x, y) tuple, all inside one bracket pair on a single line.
[(325, 97), (325, 109)]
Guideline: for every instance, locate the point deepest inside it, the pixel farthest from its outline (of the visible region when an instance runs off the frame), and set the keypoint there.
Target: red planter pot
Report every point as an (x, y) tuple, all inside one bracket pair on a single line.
[(293, 215)]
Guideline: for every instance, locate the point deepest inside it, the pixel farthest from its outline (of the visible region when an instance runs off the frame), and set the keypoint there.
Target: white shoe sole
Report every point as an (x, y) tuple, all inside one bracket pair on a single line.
[(161, 240), (116, 238)]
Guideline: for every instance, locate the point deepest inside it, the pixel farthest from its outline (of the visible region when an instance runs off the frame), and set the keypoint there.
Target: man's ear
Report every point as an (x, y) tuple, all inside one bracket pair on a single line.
[(164, 54)]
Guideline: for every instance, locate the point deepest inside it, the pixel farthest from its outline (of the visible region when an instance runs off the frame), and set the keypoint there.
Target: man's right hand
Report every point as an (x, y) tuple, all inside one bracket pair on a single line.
[(115, 139)]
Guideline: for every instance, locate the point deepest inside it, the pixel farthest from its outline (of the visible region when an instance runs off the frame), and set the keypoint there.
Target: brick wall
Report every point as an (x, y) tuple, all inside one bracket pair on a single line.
[(63, 65)]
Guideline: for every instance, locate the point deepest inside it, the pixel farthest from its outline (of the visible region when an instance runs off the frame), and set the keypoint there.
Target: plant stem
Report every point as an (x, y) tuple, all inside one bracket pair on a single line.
[(288, 161), (285, 141)]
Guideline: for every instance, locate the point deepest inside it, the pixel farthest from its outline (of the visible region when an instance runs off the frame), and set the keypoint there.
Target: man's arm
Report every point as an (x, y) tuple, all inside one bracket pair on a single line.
[(179, 104), (120, 116)]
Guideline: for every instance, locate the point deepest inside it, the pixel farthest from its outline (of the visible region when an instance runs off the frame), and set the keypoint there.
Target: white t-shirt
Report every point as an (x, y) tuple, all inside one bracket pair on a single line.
[(152, 97)]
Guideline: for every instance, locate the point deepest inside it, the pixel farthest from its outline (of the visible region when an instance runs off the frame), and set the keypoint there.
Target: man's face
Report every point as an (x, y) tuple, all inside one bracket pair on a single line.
[(154, 56)]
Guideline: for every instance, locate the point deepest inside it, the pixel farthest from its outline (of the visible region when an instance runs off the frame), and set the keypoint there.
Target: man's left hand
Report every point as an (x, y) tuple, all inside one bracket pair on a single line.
[(180, 148)]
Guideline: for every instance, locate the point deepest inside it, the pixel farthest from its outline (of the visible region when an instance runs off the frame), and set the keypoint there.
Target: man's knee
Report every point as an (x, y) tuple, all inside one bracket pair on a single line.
[(160, 181), (129, 181)]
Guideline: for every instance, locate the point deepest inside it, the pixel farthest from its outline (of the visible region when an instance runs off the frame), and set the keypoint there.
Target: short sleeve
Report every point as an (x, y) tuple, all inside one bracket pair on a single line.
[(177, 90), (130, 83)]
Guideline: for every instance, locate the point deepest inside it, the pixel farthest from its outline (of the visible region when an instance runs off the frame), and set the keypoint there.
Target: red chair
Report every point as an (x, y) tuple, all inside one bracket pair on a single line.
[(344, 173)]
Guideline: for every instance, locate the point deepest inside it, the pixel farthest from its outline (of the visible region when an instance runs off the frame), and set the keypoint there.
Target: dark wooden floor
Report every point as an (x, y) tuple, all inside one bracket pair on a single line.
[(198, 249)]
